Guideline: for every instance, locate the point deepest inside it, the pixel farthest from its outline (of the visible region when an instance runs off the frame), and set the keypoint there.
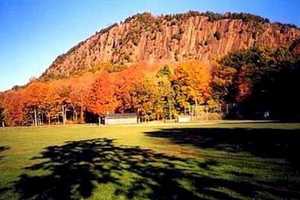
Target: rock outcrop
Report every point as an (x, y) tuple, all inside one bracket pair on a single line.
[(170, 39), (295, 47)]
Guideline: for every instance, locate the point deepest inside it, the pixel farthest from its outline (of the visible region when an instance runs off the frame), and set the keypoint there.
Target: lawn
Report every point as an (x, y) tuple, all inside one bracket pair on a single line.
[(221, 160)]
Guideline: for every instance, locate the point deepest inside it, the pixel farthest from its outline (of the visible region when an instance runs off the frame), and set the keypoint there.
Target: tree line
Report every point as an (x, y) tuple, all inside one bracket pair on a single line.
[(259, 80), (254, 81), (155, 95)]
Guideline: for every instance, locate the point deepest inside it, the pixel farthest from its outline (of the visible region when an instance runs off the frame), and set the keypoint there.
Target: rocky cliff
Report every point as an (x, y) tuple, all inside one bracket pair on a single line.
[(170, 39)]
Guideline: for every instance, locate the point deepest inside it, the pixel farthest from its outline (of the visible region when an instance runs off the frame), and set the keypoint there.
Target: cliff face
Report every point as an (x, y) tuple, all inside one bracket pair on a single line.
[(295, 47), (169, 39)]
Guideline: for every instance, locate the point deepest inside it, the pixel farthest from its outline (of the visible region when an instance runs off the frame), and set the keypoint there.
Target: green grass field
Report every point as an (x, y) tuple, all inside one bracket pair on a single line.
[(224, 160)]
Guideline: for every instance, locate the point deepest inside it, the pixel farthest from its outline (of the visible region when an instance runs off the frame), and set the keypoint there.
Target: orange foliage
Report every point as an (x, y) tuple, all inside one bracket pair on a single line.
[(125, 82), (35, 94), (13, 102), (80, 87), (199, 78), (101, 99), (103, 93)]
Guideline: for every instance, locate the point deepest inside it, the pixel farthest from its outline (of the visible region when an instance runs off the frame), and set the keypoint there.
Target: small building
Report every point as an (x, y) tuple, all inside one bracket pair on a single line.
[(125, 118), (184, 118)]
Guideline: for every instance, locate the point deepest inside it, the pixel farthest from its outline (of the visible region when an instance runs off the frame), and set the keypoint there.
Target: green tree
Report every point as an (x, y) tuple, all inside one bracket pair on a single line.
[(154, 96), (258, 80), (166, 100)]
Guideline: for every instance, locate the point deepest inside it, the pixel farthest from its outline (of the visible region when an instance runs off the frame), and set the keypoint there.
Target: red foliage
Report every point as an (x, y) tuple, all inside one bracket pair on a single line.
[(14, 103), (124, 83), (35, 94)]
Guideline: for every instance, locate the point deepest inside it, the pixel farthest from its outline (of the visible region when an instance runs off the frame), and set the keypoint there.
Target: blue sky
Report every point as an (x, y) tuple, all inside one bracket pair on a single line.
[(34, 32)]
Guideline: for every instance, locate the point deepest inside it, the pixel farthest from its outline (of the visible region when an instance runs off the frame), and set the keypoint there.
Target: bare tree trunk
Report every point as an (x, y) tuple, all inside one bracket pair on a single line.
[(82, 120), (196, 108), (38, 119), (196, 113), (170, 115), (75, 115), (63, 114), (35, 117), (49, 119), (41, 118), (81, 115), (207, 112), (99, 121)]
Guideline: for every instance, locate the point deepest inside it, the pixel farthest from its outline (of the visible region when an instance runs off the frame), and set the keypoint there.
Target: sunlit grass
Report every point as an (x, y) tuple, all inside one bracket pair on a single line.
[(239, 175)]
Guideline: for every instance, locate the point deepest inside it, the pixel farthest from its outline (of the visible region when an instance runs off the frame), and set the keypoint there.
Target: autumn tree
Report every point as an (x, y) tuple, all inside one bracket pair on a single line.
[(125, 83), (258, 80), (145, 97), (78, 96), (34, 101), (153, 96), (223, 83), (2, 117), (166, 102), (181, 84), (191, 83), (63, 91), (14, 105), (51, 104), (2, 110), (101, 99)]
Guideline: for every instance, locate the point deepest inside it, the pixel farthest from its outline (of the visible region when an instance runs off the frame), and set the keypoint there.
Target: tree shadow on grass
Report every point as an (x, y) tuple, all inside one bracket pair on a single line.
[(3, 148), (77, 168), (263, 143)]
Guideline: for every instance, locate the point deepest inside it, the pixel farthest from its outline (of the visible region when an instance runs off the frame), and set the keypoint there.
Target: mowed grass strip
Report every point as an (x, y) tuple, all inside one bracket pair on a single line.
[(216, 160)]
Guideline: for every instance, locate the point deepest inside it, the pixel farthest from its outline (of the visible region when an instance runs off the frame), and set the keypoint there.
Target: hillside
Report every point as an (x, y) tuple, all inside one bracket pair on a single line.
[(210, 66), (170, 39)]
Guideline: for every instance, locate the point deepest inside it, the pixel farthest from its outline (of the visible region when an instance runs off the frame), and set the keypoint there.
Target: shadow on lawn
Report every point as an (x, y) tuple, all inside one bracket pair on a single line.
[(264, 143), (77, 167), (3, 148)]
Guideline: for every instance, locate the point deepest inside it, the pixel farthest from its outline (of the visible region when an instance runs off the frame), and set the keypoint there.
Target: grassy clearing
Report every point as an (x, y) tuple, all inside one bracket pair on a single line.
[(220, 160)]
